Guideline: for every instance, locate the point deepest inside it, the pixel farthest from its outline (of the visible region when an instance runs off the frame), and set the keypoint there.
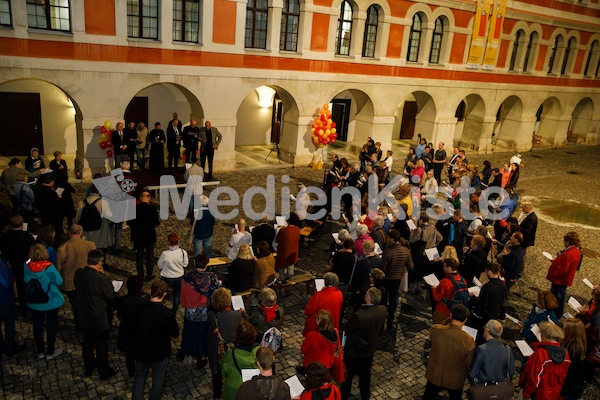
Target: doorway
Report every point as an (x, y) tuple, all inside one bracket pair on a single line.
[(409, 116), (21, 114), (277, 122), (137, 110), (340, 114)]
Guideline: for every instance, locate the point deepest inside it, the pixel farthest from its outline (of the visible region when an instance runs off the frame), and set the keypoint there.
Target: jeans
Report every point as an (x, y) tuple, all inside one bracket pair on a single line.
[(7, 315), (206, 244), (117, 228), (560, 292), (431, 392), (362, 368), (159, 372), (141, 158), (393, 296), (95, 339), (174, 283), (141, 252), (72, 295), (49, 317), (210, 154)]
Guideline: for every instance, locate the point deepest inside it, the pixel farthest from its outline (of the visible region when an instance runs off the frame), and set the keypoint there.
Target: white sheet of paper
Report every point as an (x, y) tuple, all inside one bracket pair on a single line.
[(432, 254), (336, 237), (59, 191), (471, 331), (535, 329), (292, 197), (281, 220), (476, 290), (477, 282), (574, 304), (587, 282), (319, 284), (490, 235), (567, 315), (525, 349), (378, 250), (411, 225), (390, 217), (548, 255), (117, 285), (296, 387), (250, 228), (188, 165), (344, 339), (513, 319), (432, 280), (237, 302), (34, 236), (25, 224), (550, 320), (47, 171), (247, 374)]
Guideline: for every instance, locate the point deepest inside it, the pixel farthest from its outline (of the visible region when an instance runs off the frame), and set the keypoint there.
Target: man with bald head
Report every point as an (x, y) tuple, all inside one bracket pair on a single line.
[(439, 160), (190, 141), (210, 138)]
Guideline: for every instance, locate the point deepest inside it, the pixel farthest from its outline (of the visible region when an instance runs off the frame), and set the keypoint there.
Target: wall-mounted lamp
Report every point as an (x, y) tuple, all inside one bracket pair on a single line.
[(265, 96)]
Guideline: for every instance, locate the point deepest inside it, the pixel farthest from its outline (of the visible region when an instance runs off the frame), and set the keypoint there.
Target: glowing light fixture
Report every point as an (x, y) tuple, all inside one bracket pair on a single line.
[(265, 96)]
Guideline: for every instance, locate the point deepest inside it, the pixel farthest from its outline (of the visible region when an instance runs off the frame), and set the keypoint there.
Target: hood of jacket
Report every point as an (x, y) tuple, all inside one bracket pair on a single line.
[(329, 335), (555, 351), (38, 266)]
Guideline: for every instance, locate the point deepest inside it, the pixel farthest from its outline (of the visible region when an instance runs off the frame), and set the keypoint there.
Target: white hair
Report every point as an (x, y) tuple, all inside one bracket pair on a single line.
[(204, 200), (361, 229)]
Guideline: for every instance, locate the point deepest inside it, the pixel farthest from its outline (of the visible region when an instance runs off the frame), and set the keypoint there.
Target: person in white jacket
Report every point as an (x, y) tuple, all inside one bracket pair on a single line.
[(172, 263)]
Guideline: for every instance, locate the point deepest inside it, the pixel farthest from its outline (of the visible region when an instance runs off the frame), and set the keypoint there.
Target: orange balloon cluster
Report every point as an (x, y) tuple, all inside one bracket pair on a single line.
[(104, 140), (323, 130)]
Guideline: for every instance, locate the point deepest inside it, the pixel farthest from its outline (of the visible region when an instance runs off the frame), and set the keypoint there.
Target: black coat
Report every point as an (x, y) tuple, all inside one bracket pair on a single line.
[(14, 247), (143, 227), (154, 328), (529, 229), (117, 142), (473, 265), (95, 297), (491, 300), (127, 307), (241, 275), (263, 232), (364, 329)]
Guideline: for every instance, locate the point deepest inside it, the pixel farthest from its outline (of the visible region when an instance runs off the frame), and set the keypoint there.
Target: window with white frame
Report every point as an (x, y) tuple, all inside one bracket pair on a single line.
[(436, 41), (186, 14), (142, 19), (257, 15), (290, 22), (5, 17), (414, 39), (344, 30), (53, 15), (370, 38)]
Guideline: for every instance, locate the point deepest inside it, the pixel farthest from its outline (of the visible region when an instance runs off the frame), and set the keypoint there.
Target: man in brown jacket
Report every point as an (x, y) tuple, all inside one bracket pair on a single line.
[(396, 260), (451, 355), (71, 256)]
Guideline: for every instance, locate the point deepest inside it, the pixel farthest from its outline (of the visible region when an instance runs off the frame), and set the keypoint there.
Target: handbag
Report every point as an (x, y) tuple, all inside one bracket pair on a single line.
[(222, 344), (504, 390), (338, 368)]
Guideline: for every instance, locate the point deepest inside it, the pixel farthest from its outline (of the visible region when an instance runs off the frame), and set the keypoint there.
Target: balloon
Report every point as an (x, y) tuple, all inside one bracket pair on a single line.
[(329, 121), (326, 106), (323, 118), (333, 130), (109, 153), (108, 143), (333, 125), (109, 132), (313, 130), (321, 131), (328, 132), (103, 129), (107, 124), (319, 123), (315, 125), (103, 145)]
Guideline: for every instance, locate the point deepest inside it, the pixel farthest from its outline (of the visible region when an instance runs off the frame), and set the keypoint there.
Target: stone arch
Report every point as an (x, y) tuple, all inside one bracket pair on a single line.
[(471, 112), (582, 120), (547, 121), (415, 114), (353, 112), (508, 127)]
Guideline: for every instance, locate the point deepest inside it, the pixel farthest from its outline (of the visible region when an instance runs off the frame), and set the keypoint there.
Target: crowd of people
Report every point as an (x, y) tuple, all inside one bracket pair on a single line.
[(470, 267)]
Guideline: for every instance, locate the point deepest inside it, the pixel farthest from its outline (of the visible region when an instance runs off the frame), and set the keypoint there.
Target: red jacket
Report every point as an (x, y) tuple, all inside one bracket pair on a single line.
[(563, 268), (445, 290), (318, 348), (330, 299), (545, 371), (328, 389)]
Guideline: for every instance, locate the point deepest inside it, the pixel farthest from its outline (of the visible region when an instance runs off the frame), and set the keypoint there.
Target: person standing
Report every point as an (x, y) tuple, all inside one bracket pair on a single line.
[(439, 160), (203, 229), (190, 141), (563, 268), (288, 247), (396, 261), (156, 142), (155, 327), (172, 263), (131, 137), (143, 234), (528, 222), (120, 144), (329, 298), (266, 385), (451, 354), (71, 256), (363, 331), (210, 138), (140, 145), (174, 144), (511, 260), (94, 304)]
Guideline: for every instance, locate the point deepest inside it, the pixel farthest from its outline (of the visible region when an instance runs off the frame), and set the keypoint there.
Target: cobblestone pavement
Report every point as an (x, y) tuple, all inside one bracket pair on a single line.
[(398, 371)]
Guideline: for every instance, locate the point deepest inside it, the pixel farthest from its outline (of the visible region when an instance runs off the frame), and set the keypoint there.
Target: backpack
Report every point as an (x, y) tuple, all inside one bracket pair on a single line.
[(271, 339), (34, 293), (90, 219), (460, 292)]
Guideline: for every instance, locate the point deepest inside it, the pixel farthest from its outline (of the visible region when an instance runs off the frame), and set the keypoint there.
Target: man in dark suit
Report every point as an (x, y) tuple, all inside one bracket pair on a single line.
[(143, 234), (120, 145), (363, 329), (130, 134), (210, 138), (528, 222), (190, 141), (174, 144)]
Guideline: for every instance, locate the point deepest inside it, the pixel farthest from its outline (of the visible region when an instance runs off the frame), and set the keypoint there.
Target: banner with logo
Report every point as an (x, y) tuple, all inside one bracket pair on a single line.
[(480, 28), (493, 40)]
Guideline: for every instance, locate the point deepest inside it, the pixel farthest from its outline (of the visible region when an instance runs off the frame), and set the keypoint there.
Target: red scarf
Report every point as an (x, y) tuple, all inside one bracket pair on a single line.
[(269, 313)]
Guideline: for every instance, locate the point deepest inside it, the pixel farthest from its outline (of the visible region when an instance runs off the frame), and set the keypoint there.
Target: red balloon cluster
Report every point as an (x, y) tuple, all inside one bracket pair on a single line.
[(323, 130), (104, 140)]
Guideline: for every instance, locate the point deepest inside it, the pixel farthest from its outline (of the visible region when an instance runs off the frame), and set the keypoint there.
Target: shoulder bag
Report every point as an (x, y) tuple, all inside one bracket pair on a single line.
[(504, 390)]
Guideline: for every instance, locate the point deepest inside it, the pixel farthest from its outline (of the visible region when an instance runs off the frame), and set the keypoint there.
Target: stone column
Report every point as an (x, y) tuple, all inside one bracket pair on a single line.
[(522, 140), (225, 155), (443, 131), (296, 145), (562, 127), (592, 136)]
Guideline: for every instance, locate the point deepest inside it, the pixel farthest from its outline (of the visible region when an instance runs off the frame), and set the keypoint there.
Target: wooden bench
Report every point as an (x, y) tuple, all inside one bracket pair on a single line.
[(303, 278), (308, 230), (216, 261), (178, 186)]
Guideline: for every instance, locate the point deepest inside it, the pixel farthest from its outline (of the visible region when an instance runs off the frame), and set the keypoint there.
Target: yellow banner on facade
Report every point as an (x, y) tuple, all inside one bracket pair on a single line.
[(493, 40), (480, 26)]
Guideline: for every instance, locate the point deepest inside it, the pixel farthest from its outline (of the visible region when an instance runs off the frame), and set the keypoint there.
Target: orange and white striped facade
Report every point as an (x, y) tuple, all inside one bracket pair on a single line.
[(482, 73)]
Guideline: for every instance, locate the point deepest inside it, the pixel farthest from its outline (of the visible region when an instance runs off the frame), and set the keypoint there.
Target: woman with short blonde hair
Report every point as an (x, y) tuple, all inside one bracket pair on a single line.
[(241, 270)]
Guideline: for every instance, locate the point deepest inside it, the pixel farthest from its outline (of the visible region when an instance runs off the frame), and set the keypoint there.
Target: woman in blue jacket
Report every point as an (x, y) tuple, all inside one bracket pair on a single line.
[(542, 311), (49, 279)]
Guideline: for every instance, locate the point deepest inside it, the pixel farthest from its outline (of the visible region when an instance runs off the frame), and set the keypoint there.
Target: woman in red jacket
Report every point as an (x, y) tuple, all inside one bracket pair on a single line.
[(563, 268), (319, 345), (318, 384), (330, 298)]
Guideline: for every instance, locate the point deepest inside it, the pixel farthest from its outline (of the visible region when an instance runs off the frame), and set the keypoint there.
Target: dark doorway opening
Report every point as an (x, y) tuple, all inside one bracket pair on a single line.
[(277, 120), (21, 116), (409, 118), (137, 111), (340, 114)]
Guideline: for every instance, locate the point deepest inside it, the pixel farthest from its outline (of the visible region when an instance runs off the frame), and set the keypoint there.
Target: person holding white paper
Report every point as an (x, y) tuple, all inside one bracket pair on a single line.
[(444, 293), (241, 356), (318, 383), (172, 263), (238, 237), (542, 310), (396, 261), (491, 301), (562, 270), (266, 385)]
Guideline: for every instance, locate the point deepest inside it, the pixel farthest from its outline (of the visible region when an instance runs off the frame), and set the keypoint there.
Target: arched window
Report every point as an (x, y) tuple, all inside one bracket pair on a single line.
[(256, 24), (515, 52), (370, 32), (530, 46), (591, 55), (565, 63), (557, 42), (344, 30), (290, 19), (414, 40), (436, 41)]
